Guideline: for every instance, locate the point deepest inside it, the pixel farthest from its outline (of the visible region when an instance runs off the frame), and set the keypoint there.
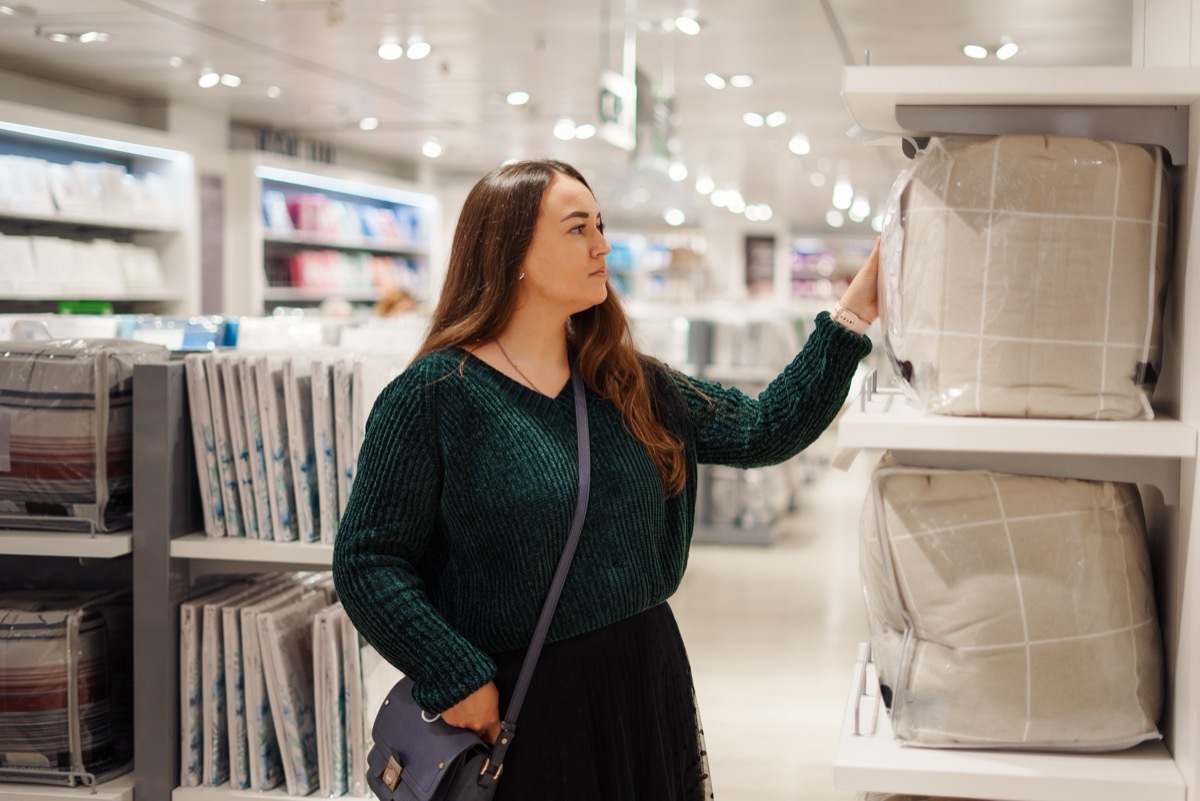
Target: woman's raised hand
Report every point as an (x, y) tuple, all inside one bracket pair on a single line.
[(862, 297)]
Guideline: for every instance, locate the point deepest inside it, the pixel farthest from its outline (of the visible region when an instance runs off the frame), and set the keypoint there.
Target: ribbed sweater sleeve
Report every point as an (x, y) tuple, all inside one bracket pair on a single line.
[(733, 429), (389, 520)]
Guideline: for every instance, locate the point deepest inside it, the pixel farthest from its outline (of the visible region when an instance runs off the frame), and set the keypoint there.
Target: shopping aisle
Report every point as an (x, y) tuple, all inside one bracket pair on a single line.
[(772, 634)]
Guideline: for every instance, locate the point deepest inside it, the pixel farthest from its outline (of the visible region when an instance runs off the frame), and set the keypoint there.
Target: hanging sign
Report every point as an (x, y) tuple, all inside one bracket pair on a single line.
[(618, 111)]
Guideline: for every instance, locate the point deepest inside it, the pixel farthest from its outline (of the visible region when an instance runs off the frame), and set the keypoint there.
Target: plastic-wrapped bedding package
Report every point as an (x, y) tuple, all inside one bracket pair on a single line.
[(1011, 611), (1023, 276), (66, 433), (66, 687)]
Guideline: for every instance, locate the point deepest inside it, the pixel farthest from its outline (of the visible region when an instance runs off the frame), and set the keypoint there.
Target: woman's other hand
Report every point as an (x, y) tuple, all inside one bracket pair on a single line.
[(479, 712), (862, 296)]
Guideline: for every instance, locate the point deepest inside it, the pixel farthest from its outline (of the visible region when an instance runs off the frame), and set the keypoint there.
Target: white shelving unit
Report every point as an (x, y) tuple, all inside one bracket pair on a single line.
[(229, 549), (118, 789), (58, 543), (255, 246), (64, 138), (1158, 105), (224, 793), (870, 758)]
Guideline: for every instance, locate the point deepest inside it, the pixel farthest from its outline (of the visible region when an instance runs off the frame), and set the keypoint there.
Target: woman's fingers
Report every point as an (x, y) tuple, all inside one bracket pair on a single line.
[(479, 712)]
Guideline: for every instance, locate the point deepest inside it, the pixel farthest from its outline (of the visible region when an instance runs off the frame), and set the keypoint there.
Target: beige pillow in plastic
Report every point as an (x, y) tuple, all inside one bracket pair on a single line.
[(1023, 276), (1011, 611)]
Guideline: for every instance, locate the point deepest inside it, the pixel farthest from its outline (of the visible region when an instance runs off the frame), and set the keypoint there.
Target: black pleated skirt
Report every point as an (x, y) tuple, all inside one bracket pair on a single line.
[(610, 715)]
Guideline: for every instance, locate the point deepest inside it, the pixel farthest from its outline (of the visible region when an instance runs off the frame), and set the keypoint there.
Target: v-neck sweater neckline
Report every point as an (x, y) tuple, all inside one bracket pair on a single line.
[(525, 396)]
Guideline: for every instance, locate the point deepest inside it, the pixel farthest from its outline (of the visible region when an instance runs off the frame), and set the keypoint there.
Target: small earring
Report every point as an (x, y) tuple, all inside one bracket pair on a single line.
[(521, 277)]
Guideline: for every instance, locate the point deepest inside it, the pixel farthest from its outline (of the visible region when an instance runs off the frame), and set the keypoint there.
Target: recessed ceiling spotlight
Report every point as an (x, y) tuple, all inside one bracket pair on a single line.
[(753, 119), (58, 37), (800, 145), (741, 81), (1007, 50), (975, 51), (585, 131), (368, 123), (517, 98), (677, 171), (674, 217), (564, 129), (835, 219), (231, 80), (432, 149), (817, 179), (176, 61), (877, 223), (418, 48), (714, 80), (89, 37), (273, 92), (390, 50), (687, 25), (776, 118), (705, 185), (208, 79), (8, 11)]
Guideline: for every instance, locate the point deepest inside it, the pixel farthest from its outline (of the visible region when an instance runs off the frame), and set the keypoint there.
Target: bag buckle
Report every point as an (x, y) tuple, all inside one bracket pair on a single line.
[(392, 772), (487, 764)]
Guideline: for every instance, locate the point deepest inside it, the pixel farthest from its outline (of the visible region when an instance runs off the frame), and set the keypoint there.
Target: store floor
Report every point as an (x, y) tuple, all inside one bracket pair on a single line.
[(772, 634)]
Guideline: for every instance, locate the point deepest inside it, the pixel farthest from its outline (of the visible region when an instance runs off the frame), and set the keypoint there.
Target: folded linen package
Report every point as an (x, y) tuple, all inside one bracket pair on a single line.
[(66, 409), (1011, 611), (1023, 276)]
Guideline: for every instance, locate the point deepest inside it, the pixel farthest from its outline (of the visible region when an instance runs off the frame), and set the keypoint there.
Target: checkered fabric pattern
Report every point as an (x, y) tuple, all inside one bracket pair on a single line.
[(1023, 276), (1011, 611)]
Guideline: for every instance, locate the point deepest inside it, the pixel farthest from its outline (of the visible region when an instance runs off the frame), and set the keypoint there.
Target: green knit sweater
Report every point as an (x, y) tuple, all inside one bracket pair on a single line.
[(466, 487)]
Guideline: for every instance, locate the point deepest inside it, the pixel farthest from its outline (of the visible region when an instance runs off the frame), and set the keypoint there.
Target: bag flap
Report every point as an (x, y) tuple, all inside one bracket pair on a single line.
[(418, 746)]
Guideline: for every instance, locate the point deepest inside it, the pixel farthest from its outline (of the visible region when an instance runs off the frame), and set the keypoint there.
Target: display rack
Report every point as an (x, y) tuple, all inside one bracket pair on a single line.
[(266, 239), (869, 758), (165, 222), (118, 789), (225, 794), (58, 543), (913, 101)]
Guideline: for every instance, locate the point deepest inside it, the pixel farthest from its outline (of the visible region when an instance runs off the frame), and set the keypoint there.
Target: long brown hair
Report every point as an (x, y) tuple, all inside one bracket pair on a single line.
[(477, 301)]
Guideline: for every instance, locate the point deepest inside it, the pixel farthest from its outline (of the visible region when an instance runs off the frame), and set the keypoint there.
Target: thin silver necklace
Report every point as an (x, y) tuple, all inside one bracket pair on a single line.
[(532, 385)]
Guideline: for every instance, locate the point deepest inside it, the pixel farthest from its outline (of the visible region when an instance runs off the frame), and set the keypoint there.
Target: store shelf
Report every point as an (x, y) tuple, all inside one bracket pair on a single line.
[(281, 294), (309, 240), (873, 93), (58, 543), (150, 295), (869, 758), (118, 789), (87, 221), (224, 793), (232, 549), (1139, 451)]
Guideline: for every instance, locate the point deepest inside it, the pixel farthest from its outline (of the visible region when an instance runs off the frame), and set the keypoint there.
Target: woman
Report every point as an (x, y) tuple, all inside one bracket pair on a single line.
[(466, 487)]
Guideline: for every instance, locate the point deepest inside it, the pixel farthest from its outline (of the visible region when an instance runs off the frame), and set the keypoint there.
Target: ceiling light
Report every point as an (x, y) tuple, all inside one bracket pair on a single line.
[(835, 219), (705, 185), (877, 223), (735, 202), (761, 212), (564, 129), (687, 25), (58, 37), (368, 123), (1007, 51), (741, 81), (776, 118), (800, 145), (231, 80), (390, 51), (817, 179), (208, 80), (176, 61), (585, 131), (677, 171), (975, 51), (714, 80), (843, 194), (718, 198), (860, 209), (432, 149), (517, 98), (418, 48), (88, 37), (8, 11), (753, 119), (273, 92), (674, 217)]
